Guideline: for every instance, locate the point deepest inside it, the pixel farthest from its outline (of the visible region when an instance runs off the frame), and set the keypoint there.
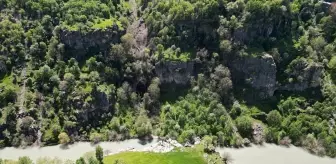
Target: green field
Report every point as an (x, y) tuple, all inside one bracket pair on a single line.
[(156, 158)]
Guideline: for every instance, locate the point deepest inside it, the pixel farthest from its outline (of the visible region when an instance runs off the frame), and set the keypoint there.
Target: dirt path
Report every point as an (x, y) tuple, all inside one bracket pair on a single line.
[(21, 97)]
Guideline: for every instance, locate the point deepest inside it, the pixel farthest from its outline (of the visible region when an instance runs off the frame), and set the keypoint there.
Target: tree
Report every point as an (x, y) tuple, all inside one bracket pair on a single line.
[(93, 160), (26, 123), (25, 160), (63, 138), (99, 154), (274, 118), (225, 46), (80, 161), (143, 125), (127, 41), (244, 125), (7, 94), (295, 131), (117, 53), (332, 63), (49, 160), (154, 89), (95, 137), (221, 80)]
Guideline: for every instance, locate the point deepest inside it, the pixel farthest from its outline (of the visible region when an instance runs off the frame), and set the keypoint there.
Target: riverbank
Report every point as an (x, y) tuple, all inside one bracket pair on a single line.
[(266, 154)]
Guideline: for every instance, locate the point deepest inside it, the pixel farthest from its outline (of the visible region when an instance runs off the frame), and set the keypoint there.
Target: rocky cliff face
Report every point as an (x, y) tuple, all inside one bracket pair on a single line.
[(78, 43), (303, 75), (257, 72), (174, 72)]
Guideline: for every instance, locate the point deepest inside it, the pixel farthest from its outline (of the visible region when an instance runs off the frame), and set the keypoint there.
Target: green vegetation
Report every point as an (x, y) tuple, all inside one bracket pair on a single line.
[(156, 158), (101, 24), (195, 155), (250, 71)]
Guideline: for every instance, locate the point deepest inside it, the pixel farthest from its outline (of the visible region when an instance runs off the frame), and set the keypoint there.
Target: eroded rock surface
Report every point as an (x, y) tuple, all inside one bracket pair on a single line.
[(257, 72), (174, 72), (79, 43), (303, 75)]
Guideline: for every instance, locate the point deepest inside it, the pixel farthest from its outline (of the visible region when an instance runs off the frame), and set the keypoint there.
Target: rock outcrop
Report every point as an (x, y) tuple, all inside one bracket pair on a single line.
[(174, 72), (79, 43), (258, 133), (303, 75), (259, 73)]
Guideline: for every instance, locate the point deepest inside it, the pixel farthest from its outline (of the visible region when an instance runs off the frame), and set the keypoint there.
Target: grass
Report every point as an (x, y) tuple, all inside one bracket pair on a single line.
[(100, 24), (175, 157), (97, 24), (105, 23)]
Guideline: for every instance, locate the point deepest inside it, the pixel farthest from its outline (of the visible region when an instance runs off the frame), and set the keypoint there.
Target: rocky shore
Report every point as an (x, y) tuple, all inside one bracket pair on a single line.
[(161, 146)]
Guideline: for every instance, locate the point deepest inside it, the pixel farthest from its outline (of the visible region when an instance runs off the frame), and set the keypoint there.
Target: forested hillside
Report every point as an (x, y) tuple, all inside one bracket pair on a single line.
[(235, 71)]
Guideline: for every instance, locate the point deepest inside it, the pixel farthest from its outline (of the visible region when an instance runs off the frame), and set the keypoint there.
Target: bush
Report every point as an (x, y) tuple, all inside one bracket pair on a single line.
[(63, 138), (186, 136), (311, 144), (25, 160), (96, 137), (244, 125), (143, 125), (286, 141), (274, 118)]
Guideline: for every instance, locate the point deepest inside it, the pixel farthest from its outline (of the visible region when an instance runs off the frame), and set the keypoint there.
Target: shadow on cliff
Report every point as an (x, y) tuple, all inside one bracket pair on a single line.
[(171, 92)]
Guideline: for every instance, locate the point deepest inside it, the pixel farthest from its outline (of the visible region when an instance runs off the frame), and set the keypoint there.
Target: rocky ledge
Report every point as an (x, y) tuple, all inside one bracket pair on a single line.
[(79, 43)]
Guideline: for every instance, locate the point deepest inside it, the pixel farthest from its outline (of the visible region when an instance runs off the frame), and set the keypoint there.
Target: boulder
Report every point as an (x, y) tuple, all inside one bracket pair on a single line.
[(258, 73)]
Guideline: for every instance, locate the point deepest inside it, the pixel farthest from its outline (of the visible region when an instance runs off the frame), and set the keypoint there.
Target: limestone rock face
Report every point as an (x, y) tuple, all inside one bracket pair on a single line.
[(79, 43), (305, 75), (259, 73), (174, 72)]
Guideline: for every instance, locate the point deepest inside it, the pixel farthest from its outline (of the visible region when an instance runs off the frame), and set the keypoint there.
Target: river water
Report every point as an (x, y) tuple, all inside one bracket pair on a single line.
[(266, 154), (274, 154), (74, 151)]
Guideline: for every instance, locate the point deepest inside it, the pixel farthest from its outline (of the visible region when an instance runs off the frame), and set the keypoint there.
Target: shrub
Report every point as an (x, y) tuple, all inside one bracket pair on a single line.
[(96, 137), (63, 138), (244, 125)]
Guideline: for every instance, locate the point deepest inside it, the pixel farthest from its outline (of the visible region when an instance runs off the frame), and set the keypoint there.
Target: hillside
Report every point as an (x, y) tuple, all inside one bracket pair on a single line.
[(237, 71)]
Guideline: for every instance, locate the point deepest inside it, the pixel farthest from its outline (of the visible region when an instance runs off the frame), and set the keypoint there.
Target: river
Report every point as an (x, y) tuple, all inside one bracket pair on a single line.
[(266, 154), (274, 154), (74, 151)]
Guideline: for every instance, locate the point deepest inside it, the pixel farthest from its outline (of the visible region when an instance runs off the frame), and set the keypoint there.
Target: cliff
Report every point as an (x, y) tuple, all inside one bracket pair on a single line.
[(259, 73), (174, 72), (78, 43), (303, 75)]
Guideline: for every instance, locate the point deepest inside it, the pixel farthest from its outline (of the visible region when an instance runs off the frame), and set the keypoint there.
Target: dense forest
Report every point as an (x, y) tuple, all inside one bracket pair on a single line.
[(235, 71)]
